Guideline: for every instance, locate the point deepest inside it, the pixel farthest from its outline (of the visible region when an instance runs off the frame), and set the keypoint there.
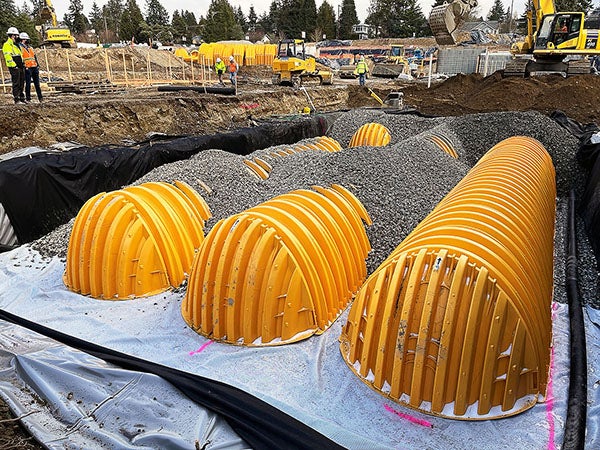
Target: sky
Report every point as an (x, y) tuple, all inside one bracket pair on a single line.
[(199, 7)]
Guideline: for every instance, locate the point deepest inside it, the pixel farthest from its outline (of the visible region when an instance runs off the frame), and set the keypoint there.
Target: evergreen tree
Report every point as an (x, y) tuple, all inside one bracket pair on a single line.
[(398, 18), (497, 11), (347, 19), (310, 17), (252, 19), (8, 12), (326, 20), (96, 19), (24, 23), (220, 23), (574, 5), (265, 23), (290, 21), (111, 16), (75, 19), (240, 18), (274, 13), (132, 22), (156, 14)]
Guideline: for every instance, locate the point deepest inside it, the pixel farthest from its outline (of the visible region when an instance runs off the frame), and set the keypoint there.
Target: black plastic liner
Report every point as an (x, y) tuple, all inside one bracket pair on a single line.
[(261, 425), (44, 190), (587, 156)]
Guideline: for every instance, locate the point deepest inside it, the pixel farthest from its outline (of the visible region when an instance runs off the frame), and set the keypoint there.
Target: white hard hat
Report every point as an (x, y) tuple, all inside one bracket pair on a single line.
[(218, 59), (24, 36), (231, 58), (12, 30)]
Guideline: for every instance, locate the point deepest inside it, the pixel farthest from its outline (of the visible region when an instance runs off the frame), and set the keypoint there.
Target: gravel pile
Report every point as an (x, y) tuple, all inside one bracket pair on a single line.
[(398, 184)]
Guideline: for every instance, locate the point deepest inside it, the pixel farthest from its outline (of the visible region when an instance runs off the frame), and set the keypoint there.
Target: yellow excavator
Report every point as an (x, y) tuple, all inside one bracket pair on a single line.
[(562, 42), (54, 35), (292, 66)]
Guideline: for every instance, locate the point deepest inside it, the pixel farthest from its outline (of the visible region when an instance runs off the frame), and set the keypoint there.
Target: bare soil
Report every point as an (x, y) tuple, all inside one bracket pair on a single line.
[(132, 113)]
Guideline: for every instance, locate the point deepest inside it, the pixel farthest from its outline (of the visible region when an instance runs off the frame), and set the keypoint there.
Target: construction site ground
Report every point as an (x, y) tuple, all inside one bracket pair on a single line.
[(130, 113), (127, 113)]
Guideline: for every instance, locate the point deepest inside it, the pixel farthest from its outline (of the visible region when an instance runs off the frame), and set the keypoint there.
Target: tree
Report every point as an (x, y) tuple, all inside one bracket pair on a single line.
[(156, 14), (240, 18), (402, 18), (347, 19), (574, 5), (132, 22), (326, 20), (220, 23), (497, 11), (75, 19), (111, 16), (310, 17), (290, 21), (8, 12), (95, 16), (252, 19)]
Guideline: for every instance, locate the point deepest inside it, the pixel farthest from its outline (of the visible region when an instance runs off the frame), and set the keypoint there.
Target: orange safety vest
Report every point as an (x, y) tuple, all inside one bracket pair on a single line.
[(233, 67), (28, 57)]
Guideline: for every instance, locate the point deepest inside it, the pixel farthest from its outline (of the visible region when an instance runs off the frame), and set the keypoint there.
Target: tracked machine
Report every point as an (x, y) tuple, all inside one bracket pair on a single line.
[(292, 66), (54, 35), (562, 42)]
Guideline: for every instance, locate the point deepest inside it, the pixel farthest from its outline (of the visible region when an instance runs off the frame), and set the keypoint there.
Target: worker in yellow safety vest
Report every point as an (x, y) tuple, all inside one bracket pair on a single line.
[(14, 62), (361, 70), (220, 69), (32, 68), (233, 70)]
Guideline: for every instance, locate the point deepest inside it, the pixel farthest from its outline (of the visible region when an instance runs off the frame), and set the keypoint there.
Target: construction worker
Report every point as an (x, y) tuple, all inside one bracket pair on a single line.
[(14, 62), (32, 68), (361, 70), (233, 70), (220, 69)]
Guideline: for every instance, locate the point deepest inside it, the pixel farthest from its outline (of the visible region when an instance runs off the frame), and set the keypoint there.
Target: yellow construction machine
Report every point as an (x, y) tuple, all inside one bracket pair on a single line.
[(394, 64), (54, 35), (445, 20), (294, 67), (562, 42)]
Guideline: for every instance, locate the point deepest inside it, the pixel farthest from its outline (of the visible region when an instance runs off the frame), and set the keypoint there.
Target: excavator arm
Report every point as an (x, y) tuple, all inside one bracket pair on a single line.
[(48, 13), (446, 19)]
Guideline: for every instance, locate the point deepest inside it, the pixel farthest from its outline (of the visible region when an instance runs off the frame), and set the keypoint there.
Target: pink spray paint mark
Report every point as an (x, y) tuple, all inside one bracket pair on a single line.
[(549, 393), (409, 418), (206, 344)]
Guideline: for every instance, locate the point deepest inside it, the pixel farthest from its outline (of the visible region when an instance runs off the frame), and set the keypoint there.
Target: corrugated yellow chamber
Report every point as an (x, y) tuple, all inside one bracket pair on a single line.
[(136, 241), (456, 321), (371, 135), (281, 271)]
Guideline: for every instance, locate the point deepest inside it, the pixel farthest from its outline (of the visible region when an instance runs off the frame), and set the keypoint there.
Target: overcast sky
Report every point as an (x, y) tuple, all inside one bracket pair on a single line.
[(199, 7)]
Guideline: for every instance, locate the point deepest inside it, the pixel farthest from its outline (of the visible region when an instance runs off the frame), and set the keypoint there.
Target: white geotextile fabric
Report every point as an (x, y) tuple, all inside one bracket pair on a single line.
[(308, 380)]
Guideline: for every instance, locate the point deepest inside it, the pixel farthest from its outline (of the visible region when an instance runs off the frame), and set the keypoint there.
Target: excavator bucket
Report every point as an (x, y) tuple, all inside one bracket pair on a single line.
[(445, 20)]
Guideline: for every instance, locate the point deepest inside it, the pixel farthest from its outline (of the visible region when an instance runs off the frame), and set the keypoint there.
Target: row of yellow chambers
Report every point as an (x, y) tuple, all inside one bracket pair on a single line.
[(455, 322), (245, 53)]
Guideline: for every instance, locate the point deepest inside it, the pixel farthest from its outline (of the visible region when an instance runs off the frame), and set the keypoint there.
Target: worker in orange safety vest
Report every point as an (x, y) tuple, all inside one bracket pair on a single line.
[(233, 68), (32, 68)]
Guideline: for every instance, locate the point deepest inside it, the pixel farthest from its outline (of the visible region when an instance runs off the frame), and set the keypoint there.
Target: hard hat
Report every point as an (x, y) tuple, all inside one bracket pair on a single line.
[(306, 110), (218, 59), (12, 30), (231, 58), (24, 36)]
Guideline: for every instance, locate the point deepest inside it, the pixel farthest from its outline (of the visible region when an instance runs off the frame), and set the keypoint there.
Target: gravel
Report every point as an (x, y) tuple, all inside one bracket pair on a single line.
[(398, 184)]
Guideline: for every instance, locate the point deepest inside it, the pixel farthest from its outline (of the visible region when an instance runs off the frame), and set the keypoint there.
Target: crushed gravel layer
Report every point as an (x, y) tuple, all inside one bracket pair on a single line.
[(398, 184)]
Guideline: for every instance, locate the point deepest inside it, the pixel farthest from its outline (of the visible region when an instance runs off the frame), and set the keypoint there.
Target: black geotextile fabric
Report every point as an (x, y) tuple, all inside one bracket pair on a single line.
[(44, 190), (587, 156), (261, 425)]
